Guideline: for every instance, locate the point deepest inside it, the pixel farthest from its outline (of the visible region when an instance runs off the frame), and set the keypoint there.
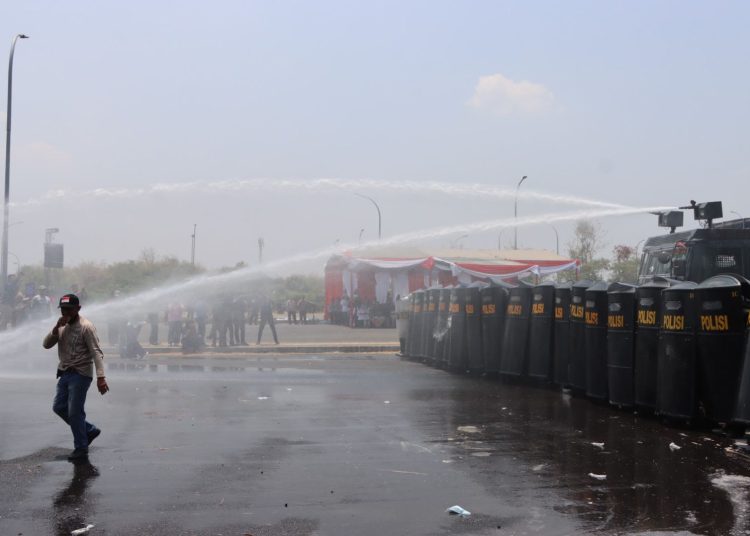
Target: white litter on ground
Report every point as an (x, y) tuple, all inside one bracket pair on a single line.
[(458, 511), (599, 445), (468, 429), (598, 477), (673, 447), (84, 530)]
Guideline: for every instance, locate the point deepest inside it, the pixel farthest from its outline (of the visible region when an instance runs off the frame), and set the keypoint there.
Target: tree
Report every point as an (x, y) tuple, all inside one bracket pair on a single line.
[(625, 265), (587, 241)]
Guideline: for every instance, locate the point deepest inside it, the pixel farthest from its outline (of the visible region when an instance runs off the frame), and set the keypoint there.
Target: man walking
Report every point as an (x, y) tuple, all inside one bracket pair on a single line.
[(77, 349), (266, 317)]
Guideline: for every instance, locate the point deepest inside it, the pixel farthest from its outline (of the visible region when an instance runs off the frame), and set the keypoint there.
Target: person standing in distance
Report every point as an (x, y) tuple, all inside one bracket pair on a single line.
[(266, 317), (77, 349)]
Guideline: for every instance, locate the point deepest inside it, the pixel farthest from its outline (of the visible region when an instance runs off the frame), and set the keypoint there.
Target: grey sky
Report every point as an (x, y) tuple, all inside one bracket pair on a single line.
[(639, 103)]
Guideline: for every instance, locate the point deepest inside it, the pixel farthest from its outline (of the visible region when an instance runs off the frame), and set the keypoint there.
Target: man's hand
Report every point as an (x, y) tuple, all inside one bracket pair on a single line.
[(101, 384), (60, 323)]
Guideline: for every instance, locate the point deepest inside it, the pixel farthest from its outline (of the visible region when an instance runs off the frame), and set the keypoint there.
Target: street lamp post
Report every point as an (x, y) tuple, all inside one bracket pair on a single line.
[(557, 239), (515, 214), (192, 251), (455, 242), (377, 208), (4, 261), (359, 241)]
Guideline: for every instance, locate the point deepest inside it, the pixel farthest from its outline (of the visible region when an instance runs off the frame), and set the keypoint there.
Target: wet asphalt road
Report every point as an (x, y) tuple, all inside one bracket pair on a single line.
[(351, 445)]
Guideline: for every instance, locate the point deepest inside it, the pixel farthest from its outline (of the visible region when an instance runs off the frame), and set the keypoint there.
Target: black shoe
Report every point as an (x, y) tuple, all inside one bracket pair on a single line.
[(78, 455), (93, 434)]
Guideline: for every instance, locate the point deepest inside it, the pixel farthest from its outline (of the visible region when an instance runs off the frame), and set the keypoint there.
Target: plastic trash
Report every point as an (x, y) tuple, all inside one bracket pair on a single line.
[(458, 511), (598, 477), (599, 445), (84, 530), (673, 447)]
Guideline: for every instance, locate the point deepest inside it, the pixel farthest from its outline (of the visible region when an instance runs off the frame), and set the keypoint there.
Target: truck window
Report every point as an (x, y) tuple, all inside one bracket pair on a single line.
[(656, 263)]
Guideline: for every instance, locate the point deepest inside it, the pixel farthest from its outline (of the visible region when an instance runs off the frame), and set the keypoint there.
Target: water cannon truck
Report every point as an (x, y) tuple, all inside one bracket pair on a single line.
[(695, 255)]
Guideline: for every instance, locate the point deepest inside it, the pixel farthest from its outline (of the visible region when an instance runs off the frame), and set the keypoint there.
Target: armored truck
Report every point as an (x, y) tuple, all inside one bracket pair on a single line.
[(697, 254)]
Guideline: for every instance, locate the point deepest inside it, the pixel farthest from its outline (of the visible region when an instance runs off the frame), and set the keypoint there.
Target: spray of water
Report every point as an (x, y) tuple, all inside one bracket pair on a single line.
[(313, 185), (27, 334)]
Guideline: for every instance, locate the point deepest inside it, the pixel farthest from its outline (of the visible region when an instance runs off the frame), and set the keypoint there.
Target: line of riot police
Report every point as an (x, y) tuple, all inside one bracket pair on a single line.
[(679, 350)]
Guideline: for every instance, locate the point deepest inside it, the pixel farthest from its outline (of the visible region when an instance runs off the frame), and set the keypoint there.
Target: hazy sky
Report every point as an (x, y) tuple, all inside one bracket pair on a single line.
[(640, 103)]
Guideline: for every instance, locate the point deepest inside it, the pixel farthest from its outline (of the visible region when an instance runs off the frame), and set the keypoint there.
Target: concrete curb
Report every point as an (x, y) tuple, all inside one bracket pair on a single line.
[(360, 348)]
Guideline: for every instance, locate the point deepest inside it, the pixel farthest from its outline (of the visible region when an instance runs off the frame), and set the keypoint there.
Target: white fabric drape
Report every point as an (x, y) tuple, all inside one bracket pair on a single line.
[(382, 285), (347, 279), (400, 284), (388, 265)]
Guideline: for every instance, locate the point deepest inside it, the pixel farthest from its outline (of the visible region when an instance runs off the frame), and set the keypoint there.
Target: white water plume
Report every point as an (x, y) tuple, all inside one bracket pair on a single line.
[(313, 185), (10, 340)]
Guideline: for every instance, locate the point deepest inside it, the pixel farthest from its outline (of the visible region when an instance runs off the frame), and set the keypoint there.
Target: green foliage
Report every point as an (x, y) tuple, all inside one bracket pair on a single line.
[(624, 268), (101, 280), (587, 241)]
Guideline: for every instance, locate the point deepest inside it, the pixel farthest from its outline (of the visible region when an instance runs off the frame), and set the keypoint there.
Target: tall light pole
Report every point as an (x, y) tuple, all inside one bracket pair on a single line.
[(515, 214), (557, 239), (4, 261), (359, 241), (261, 245), (192, 251), (455, 241), (377, 208)]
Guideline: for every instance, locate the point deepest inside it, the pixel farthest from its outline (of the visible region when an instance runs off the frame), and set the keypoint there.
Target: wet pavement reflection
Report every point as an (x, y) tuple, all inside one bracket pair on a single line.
[(360, 445), (614, 470), (72, 505)]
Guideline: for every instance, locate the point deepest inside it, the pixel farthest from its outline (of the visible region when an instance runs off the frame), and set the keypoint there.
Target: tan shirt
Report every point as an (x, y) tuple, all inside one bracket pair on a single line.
[(77, 347)]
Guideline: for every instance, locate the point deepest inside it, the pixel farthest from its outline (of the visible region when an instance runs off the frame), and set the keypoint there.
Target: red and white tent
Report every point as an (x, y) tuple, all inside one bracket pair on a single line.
[(379, 276)]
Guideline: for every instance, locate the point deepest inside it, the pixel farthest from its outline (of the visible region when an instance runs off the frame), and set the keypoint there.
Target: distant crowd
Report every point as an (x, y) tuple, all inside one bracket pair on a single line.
[(19, 305), (360, 313), (191, 325), (218, 323)]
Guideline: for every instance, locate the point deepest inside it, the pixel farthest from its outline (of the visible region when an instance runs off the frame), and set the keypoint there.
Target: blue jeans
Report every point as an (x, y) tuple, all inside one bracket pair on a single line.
[(69, 401)]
